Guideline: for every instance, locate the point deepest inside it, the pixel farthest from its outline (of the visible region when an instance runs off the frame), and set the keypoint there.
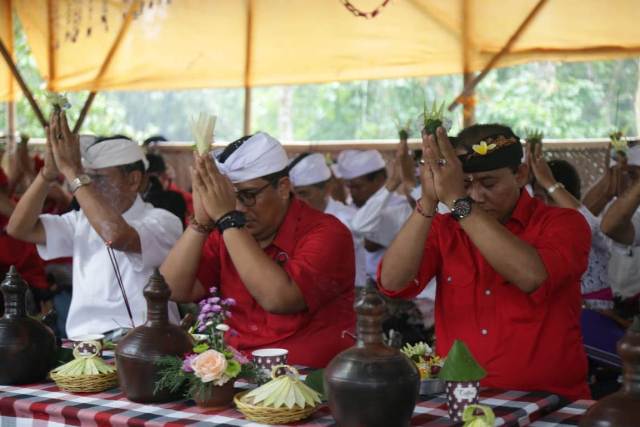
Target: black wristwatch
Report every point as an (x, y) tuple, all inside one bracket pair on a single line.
[(461, 208), (233, 219)]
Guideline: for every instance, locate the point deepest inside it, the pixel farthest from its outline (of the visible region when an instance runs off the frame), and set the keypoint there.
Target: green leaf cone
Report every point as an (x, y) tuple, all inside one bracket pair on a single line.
[(315, 381), (460, 365)]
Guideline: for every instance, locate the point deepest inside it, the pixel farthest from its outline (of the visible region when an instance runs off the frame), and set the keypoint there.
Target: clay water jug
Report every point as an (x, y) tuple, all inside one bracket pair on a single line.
[(371, 384), (140, 349), (27, 347), (621, 409)]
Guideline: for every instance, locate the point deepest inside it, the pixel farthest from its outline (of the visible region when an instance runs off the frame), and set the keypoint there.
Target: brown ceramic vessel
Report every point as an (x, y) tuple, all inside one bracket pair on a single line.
[(27, 347), (621, 409), (371, 384), (216, 397), (140, 349)]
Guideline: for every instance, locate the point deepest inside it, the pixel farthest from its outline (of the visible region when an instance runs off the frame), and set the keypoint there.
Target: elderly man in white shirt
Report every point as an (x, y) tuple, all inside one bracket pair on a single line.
[(310, 177), (105, 179), (381, 212)]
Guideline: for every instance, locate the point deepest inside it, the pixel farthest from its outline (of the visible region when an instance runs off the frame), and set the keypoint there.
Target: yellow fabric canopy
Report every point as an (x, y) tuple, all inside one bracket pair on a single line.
[(233, 43), (7, 84)]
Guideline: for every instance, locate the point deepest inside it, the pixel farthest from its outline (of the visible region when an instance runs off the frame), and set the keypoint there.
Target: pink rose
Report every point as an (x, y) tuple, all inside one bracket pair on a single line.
[(209, 366)]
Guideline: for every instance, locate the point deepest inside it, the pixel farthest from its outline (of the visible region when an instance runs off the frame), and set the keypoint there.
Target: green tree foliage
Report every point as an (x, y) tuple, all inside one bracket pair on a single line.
[(565, 100)]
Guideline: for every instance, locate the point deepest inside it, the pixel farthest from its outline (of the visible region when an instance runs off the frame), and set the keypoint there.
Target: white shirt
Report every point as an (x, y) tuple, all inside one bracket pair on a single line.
[(379, 220), (97, 304), (345, 214), (595, 277)]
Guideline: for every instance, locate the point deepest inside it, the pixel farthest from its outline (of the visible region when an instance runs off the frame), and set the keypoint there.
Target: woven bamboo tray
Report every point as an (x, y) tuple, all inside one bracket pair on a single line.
[(85, 383), (269, 415)]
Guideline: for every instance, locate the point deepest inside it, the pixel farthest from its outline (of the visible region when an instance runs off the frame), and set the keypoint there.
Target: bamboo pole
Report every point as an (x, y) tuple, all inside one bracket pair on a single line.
[(468, 114), (51, 34), (247, 70), (505, 49), (11, 120), (23, 86)]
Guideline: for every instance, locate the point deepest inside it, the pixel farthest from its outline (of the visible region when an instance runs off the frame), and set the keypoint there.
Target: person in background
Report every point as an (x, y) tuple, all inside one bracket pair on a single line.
[(507, 266), (621, 223), (157, 195), (167, 174), (557, 183), (621, 220), (380, 210), (311, 179), (22, 255)]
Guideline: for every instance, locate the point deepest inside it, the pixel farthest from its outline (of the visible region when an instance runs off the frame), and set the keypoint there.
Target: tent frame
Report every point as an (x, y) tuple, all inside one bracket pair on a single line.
[(469, 85), (23, 86), (135, 6)]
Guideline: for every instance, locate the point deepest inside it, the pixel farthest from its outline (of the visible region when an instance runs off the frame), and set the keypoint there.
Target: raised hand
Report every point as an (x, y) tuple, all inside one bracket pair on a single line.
[(394, 179), (406, 166), (539, 166), (446, 168), (215, 192), (65, 146), (50, 169)]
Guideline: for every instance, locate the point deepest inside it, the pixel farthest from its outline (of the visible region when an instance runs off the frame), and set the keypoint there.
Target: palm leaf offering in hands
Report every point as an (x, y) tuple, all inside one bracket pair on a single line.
[(202, 130), (533, 135), (433, 118), (58, 101), (618, 142)]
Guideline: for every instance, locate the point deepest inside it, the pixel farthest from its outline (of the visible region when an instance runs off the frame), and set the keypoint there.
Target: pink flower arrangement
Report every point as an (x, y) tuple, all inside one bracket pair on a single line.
[(212, 362)]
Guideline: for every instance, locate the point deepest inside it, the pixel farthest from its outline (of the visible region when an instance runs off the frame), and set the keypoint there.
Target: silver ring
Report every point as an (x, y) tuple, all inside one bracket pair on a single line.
[(442, 162)]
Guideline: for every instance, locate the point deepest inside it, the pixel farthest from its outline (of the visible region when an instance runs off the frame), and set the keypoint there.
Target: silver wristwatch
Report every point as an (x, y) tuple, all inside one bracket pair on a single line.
[(78, 182)]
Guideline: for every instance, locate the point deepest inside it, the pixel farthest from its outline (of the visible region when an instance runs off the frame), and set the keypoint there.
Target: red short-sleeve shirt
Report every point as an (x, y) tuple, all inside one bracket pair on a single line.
[(316, 251), (524, 341)]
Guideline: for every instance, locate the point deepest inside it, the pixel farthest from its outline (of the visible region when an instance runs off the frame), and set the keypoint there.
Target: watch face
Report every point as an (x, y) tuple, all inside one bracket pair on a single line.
[(462, 208)]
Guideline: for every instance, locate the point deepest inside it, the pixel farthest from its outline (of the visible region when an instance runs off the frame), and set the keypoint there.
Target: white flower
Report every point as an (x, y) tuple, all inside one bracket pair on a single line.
[(222, 327), (209, 323)]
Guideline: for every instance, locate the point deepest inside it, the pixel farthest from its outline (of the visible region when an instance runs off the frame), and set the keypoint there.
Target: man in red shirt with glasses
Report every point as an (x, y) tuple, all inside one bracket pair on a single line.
[(289, 267), (507, 266)]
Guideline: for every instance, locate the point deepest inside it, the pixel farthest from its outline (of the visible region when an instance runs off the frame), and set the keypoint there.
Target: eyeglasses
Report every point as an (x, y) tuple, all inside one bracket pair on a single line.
[(248, 197)]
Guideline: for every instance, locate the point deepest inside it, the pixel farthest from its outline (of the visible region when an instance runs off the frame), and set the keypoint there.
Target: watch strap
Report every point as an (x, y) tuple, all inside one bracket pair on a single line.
[(79, 181), (233, 219)]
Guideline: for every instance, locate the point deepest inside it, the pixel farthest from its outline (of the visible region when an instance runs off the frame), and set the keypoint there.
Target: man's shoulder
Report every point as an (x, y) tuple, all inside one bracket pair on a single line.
[(158, 215), (312, 220), (545, 213), (340, 210)]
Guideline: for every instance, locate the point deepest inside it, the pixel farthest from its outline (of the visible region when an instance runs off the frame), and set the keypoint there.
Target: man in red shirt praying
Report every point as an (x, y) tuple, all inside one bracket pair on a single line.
[(507, 267), (289, 267)]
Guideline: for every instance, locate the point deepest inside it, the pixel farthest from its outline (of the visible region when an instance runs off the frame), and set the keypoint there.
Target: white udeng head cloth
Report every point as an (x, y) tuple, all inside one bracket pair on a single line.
[(355, 163), (113, 152), (258, 156), (312, 169)]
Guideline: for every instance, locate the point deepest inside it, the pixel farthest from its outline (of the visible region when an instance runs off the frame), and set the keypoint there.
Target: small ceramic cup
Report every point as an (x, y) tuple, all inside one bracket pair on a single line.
[(459, 395), (267, 358), (86, 344)]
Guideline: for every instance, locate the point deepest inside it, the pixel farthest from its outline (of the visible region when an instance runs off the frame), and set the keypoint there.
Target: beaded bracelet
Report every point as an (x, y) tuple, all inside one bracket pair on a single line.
[(421, 212), (201, 228)]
